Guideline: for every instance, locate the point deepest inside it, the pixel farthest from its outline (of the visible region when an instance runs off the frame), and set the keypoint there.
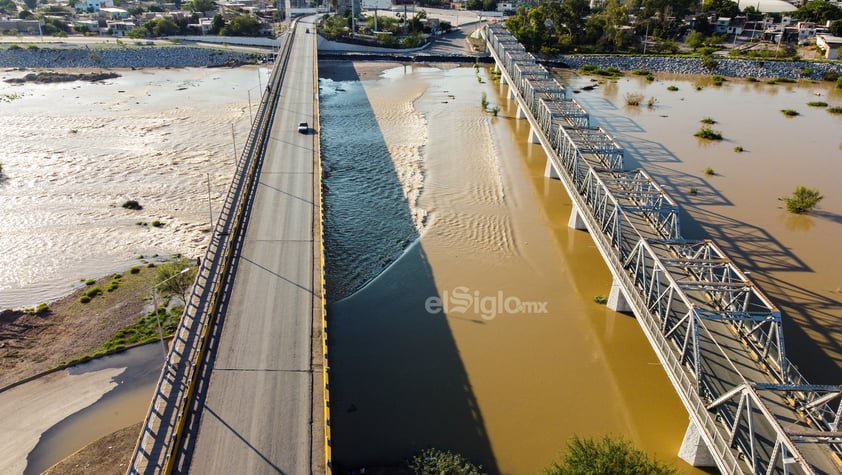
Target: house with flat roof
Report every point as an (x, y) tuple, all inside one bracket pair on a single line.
[(830, 45)]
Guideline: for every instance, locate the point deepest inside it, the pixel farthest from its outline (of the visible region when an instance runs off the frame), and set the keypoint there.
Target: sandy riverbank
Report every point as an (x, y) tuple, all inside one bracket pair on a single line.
[(74, 152)]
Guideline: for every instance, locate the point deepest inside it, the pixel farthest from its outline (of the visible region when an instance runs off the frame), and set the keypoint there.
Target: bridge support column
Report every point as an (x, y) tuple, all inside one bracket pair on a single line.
[(520, 113), (533, 136), (694, 450), (550, 171), (617, 300), (575, 221), (512, 95)]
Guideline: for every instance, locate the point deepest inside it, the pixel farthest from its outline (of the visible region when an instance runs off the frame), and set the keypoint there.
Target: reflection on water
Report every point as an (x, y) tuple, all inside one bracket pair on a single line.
[(507, 391)]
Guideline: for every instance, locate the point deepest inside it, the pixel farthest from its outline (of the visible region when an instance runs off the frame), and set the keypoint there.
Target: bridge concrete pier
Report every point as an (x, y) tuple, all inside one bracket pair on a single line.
[(694, 450), (576, 221), (550, 171), (617, 300), (534, 137), (521, 113)]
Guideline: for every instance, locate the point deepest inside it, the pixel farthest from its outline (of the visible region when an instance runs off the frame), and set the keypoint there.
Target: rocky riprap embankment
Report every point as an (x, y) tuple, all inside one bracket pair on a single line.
[(129, 57), (725, 66), (50, 76)]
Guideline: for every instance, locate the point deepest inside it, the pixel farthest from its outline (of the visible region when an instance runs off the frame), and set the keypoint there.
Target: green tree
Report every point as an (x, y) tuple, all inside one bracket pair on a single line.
[(201, 5), (607, 456), (170, 277), (723, 8), (54, 26), (30, 4), (441, 462), (695, 39), (164, 27), (8, 7), (819, 11), (835, 28), (243, 25), (217, 24), (25, 15)]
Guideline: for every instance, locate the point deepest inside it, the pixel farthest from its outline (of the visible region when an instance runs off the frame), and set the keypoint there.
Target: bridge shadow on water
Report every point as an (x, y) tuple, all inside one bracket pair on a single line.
[(397, 381), (812, 336)]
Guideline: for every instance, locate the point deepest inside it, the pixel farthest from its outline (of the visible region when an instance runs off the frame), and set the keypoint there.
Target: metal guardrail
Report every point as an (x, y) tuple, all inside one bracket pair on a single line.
[(675, 313), (161, 434)]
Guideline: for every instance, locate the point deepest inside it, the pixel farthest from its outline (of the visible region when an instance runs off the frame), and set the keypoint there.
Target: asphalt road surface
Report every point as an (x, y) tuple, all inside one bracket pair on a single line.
[(257, 416)]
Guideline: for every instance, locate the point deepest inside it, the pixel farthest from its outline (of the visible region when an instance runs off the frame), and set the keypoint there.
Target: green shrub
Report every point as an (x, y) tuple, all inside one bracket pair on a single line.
[(694, 190), (609, 72), (588, 68), (633, 98), (709, 63), (134, 270), (440, 462), (600, 299), (708, 134), (830, 75), (84, 299), (839, 83), (708, 120), (751, 79), (606, 456), (650, 77), (835, 110), (817, 104), (42, 308), (738, 148), (14, 47), (90, 282), (709, 171), (789, 112), (803, 200), (94, 291), (157, 224), (641, 72), (672, 88)]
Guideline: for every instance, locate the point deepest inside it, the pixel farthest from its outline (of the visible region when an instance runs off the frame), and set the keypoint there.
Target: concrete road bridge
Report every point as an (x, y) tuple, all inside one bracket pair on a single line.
[(244, 389), (718, 337)]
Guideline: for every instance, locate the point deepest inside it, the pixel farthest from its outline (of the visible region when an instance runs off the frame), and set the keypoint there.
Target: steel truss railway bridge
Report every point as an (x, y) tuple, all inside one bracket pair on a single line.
[(718, 337)]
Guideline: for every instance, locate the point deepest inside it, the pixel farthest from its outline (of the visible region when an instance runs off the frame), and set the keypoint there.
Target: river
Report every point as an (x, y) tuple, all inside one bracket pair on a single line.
[(424, 350)]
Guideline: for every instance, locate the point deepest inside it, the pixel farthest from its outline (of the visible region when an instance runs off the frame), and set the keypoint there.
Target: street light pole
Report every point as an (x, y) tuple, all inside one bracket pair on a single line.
[(155, 303)]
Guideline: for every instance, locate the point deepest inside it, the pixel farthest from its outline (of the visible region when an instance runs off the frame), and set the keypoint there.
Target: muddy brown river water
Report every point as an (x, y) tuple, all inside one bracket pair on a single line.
[(429, 354)]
